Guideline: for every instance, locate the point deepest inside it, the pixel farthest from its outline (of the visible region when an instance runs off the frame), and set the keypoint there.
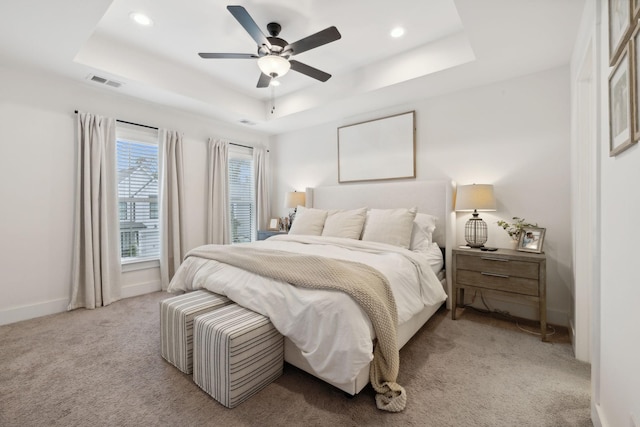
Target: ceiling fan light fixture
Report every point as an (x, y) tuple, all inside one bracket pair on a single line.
[(397, 32), (274, 82), (274, 65), (141, 19)]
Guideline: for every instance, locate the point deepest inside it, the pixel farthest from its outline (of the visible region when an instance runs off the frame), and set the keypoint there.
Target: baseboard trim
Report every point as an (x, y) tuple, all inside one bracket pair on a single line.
[(572, 335), (26, 312), (141, 289), (596, 416), (31, 311)]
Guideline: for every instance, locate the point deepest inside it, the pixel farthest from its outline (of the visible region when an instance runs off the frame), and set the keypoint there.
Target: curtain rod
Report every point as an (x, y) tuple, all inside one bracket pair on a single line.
[(131, 123), (240, 145), (244, 146), (152, 127)]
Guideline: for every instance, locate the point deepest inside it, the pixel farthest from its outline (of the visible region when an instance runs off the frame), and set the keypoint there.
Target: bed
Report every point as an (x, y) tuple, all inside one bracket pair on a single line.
[(314, 346)]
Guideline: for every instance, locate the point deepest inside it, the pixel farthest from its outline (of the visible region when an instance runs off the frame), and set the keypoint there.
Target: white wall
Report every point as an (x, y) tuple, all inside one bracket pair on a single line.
[(37, 180), (514, 134), (620, 288), (617, 396)]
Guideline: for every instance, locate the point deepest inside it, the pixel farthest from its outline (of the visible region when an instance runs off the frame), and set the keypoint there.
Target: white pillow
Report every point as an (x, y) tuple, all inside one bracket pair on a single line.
[(308, 221), (422, 235), (391, 226), (433, 255), (346, 224)]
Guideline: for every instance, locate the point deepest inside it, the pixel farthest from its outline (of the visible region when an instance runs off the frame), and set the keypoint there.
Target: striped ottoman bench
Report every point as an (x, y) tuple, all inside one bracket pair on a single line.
[(236, 353), (176, 325)]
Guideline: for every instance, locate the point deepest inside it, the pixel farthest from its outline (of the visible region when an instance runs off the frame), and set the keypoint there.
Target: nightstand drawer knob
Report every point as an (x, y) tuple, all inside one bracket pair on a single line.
[(504, 276)]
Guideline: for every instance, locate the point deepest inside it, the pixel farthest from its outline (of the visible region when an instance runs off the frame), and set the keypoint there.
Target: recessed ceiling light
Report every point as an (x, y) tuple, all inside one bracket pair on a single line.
[(397, 32), (141, 19), (274, 82)]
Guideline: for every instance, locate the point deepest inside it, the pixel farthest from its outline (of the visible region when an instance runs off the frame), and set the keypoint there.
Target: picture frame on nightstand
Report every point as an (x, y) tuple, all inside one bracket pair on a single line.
[(531, 239), (274, 224)]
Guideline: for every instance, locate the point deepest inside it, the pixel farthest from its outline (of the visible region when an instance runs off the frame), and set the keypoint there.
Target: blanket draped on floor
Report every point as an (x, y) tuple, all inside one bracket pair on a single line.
[(364, 284)]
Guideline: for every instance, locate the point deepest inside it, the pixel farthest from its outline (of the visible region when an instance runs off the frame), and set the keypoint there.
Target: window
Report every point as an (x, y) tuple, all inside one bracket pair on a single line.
[(137, 153), (242, 200)]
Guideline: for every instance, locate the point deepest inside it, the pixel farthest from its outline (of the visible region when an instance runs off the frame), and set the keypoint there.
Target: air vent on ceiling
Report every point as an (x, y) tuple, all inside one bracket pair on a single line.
[(103, 81)]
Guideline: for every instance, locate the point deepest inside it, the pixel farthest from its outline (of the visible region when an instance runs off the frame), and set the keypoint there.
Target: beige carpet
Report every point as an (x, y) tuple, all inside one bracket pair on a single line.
[(103, 368)]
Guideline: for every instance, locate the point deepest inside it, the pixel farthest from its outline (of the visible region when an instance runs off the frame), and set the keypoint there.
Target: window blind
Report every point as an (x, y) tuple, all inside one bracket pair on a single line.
[(242, 205), (138, 195)]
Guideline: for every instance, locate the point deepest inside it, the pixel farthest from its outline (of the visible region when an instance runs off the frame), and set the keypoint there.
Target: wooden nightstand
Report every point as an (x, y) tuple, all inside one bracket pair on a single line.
[(505, 271), (265, 234)]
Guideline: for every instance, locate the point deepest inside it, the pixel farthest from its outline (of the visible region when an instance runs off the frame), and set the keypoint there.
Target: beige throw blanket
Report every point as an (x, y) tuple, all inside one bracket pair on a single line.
[(364, 284)]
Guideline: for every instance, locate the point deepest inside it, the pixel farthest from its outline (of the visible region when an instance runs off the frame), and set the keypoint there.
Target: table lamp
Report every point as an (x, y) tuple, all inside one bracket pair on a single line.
[(292, 200), (475, 197)]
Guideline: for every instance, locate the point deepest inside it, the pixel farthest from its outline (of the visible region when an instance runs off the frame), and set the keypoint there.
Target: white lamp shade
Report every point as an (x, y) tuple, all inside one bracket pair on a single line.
[(475, 197), (294, 199), (274, 65)]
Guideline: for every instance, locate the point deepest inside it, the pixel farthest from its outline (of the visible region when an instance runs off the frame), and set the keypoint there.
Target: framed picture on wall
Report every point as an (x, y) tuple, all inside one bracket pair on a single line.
[(619, 27), (634, 58), (383, 148), (620, 111), (531, 239)]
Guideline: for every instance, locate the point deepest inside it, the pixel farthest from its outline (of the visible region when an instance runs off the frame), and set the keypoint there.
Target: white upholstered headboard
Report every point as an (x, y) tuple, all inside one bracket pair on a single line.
[(432, 197)]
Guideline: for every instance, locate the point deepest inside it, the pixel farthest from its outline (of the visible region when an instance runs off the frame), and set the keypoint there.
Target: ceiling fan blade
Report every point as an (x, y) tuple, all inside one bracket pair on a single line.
[(264, 80), (309, 71), (247, 22), (228, 55), (320, 38)]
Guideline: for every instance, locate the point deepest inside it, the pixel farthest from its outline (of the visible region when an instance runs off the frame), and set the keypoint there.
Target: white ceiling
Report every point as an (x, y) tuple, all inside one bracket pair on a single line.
[(448, 45)]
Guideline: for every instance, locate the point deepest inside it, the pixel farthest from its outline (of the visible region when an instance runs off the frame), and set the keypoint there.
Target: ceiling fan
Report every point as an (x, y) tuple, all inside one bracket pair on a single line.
[(274, 53)]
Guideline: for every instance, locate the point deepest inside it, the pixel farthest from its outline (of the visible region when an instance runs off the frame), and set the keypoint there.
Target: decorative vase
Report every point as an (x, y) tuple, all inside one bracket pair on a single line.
[(513, 244)]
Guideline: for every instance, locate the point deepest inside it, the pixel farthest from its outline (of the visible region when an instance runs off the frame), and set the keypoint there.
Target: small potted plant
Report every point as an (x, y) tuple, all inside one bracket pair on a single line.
[(514, 229)]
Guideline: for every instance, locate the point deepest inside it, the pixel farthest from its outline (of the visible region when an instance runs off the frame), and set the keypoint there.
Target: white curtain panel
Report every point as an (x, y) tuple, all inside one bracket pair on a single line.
[(95, 278), (171, 205), (218, 196), (263, 200)]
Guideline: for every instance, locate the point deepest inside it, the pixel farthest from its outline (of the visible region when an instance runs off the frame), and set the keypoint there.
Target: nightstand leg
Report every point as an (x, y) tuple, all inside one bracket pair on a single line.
[(454, 303)]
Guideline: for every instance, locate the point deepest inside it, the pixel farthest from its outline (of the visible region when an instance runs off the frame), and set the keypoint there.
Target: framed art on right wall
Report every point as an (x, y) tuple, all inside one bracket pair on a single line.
[(531, 239), (620, 13), (634, 57), (620, 105)]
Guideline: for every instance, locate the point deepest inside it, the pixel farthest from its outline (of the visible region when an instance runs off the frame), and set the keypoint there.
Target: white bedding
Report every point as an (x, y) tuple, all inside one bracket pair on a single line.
[(331, 330)]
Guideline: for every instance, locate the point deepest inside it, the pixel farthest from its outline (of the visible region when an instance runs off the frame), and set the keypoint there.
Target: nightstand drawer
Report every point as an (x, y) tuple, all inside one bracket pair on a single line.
[(499, 265), (498, 282)]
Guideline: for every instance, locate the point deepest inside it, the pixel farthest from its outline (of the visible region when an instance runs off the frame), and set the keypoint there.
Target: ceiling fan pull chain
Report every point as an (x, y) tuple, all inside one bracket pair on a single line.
[(273, 98)]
